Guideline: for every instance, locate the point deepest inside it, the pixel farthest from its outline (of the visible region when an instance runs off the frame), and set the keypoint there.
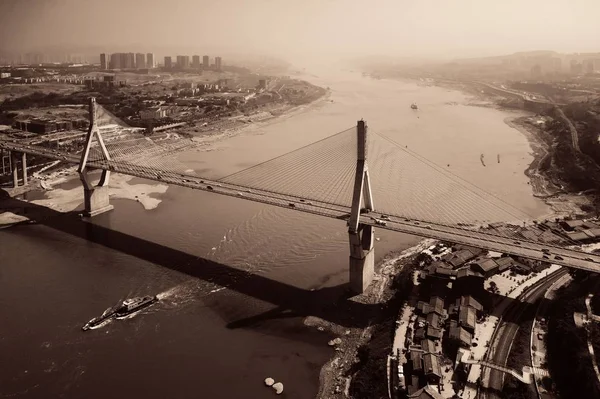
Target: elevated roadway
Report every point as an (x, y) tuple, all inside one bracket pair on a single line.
[(482, 239)]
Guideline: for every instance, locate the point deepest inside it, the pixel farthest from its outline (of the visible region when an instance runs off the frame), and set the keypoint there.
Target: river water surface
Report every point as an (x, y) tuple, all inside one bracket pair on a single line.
[(277, 265)]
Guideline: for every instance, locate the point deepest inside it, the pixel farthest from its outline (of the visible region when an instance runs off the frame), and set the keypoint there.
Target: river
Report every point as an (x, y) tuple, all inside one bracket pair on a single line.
[(203, 340)]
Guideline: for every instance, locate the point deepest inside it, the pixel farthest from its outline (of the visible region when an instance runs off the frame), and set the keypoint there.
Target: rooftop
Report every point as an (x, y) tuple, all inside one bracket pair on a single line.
[(431, 365), (460, 334), (426, 392), (470, 301), (486, 264), (467, 317)]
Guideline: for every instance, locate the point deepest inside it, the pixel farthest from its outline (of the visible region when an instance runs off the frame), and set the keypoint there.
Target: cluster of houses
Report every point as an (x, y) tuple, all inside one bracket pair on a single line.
[(583, 231), (465, 262), (432, 325)]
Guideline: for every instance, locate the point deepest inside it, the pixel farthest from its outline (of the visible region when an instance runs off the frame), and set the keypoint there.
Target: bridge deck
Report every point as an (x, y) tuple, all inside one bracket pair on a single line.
[(482, 239)]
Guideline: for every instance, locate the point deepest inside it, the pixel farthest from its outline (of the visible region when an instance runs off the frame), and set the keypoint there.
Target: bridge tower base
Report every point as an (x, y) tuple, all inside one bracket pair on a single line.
[(96, 196), (362, 258), (361, 236)]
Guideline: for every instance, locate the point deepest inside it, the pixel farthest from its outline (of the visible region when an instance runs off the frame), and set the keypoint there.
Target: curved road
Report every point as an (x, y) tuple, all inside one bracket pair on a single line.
[(504, 335)]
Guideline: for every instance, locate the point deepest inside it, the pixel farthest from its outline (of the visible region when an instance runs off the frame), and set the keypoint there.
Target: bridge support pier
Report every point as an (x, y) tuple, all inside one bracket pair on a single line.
[(24, 166), (362, 258), (14, 168), (361, 236), (96, 196)]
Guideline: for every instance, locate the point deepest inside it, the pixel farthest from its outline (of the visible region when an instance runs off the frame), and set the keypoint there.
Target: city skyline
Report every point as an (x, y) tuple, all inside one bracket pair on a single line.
[(458, 29)]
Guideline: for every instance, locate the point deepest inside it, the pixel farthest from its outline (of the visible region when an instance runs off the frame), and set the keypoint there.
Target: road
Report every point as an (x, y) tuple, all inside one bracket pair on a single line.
[(482, 239), (505, 333), (572, 130)]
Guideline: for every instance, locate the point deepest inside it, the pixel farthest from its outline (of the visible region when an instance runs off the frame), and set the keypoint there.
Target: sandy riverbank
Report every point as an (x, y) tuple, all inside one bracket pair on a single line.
[(120, 187), (67, 200)]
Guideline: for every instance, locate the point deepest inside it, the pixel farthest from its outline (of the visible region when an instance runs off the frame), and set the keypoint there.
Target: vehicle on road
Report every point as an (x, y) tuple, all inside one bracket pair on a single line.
[(209, 188), (380, 222), (385, 217), (292, 205), (558, 257)]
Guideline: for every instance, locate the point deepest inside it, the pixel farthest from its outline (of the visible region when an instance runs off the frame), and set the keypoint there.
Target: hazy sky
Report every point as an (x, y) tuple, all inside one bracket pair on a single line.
[(392, 27)]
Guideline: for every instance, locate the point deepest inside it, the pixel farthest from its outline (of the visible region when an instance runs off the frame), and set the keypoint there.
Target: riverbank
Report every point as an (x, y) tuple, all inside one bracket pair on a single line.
[(351, 350), (357, 350), (550, 180), (66, 200)]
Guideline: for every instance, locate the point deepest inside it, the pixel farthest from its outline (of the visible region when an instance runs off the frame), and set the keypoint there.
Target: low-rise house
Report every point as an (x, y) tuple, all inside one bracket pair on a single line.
[(487, 267), (505, 263), (458, 334), (467, 318), (428, 346), (437, 305), (433, 319), (416, 361), (458, 258), (423, 307), (427, 392), (434, 333), (431, 368), (468, 272), (571, 225), (468, 300), (578, 236)]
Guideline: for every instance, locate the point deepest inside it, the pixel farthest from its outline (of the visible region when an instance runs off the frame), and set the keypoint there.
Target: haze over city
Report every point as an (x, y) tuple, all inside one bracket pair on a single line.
[(430, 28)]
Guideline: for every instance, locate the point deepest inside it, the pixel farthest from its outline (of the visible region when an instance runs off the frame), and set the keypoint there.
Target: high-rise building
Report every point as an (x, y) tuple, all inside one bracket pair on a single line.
[(205, 62), (196, 61), (140, 61), (130, 61), (183, 61), (115, 61), (218, 63), (168, 63), (150, 60), (103, 61)]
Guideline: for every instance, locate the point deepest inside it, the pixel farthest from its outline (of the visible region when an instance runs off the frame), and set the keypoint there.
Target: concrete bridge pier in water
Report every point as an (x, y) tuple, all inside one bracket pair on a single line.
[(361, 236), (95, 195)]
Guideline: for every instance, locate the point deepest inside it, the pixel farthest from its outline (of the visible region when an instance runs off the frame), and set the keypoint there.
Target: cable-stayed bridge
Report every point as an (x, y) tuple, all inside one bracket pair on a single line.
[(366, 180)]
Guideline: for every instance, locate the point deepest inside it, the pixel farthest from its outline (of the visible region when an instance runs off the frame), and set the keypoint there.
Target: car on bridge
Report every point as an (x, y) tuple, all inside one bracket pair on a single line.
[(558, 257), (380, 222), (209, 188), (292, 205), (385, 217)]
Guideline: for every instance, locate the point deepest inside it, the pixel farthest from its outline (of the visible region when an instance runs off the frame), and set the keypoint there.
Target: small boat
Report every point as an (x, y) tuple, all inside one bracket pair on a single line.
[(498, 158), (97, 321), (133, 305), (414, 106)]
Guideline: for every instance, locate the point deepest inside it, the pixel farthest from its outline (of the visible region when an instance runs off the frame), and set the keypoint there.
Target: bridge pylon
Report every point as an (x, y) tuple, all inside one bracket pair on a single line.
[(361, 236), (96, 198)]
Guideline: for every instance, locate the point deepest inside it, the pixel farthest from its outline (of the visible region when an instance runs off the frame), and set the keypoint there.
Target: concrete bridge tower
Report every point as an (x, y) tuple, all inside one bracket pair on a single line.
[(361, 236), (96, 199)]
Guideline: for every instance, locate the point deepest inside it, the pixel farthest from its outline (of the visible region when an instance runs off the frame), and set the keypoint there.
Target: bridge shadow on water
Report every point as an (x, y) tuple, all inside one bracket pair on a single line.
[(332, 304)]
